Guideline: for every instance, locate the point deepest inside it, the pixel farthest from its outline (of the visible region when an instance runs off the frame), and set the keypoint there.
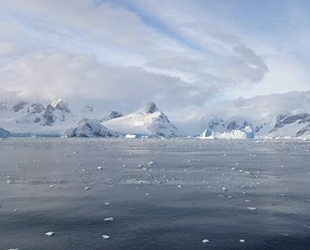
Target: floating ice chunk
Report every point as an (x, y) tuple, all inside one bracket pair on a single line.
[(87, 188), (50, 233), (205, 241), (105, 236), (108, 219), (225, 189), (252, 208), (242, 240), (99, 168), (16, 210), (150, 163)]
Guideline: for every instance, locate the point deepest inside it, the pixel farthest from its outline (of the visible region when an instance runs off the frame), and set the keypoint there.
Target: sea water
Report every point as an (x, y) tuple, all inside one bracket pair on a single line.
[(154, 194)]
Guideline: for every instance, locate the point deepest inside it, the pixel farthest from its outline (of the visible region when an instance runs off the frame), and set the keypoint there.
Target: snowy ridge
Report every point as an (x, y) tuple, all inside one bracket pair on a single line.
[(148, 120), (90, 128), (274, 116)]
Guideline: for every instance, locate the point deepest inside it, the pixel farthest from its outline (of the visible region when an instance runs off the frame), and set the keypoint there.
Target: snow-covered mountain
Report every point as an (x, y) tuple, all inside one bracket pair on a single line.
[(148, 120), (56, 117), (297, 125), (90, 128), (278, 115), (39, 117), (283, 126)]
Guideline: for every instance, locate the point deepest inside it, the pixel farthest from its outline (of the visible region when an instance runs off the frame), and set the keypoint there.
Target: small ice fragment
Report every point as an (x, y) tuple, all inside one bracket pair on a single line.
[(51, 186), (105, 236), (16, 210), (124, 165), (205, 241), (252, 208), (51, 233), (108, 219), (140, 165), (242, 240), (179, 186), (147, 194), (225, 189), (87, 188), (150, 163), (106, 203), (100, 168)]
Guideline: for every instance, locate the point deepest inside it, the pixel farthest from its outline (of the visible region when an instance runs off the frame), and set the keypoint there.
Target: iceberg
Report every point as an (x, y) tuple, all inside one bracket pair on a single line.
[(4, 133), (235, 134)]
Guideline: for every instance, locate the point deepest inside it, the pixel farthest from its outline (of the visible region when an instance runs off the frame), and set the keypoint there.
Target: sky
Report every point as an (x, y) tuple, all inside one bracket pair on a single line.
[(181, 54)]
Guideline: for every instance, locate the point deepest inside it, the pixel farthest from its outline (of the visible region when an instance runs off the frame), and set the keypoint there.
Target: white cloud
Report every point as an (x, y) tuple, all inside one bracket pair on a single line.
[(175, 53)]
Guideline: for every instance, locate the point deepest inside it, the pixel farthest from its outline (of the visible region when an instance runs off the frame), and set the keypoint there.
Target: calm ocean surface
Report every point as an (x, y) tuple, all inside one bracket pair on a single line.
[(154, 194)]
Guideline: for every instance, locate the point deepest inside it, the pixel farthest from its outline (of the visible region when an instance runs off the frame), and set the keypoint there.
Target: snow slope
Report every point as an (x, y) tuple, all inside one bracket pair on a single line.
[(145, 121)]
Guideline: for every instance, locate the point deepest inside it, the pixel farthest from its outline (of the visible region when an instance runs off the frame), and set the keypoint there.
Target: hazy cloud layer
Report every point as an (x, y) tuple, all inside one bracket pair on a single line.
[(126, 53)]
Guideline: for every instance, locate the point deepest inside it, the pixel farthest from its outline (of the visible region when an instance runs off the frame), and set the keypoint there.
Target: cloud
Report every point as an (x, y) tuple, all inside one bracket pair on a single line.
[(178, 53), (83, 78)]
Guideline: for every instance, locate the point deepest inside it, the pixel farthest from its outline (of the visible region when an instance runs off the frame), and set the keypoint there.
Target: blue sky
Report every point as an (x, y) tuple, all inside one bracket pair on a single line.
[(180, 54)]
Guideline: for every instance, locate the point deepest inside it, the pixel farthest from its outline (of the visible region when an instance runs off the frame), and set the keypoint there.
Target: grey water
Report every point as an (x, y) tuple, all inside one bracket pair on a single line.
[(161, 194)]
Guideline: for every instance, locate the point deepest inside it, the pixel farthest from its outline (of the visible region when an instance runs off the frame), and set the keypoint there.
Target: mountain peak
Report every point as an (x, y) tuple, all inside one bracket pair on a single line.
[(150, 108), (61, 105)]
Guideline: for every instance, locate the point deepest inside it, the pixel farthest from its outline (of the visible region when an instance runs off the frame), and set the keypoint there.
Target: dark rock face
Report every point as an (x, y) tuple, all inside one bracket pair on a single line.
[(48, 117), (53, 112), (113, 115), (61, 106), (151, 108), (91, 128), (19, 106), (283, 120)]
